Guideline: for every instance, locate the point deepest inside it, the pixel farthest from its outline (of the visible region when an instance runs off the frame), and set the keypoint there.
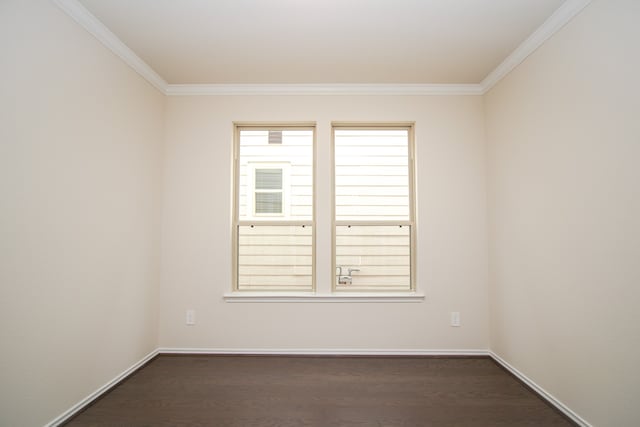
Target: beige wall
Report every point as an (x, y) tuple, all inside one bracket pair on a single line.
[(564, 183), (83, 294), (452, 246), (80, 147)]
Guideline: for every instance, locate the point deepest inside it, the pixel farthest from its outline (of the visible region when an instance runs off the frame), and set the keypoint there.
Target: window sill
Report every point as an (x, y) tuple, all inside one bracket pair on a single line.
[(311, 297)]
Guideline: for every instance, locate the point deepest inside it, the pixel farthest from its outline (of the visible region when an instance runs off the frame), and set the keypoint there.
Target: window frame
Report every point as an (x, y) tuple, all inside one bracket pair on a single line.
[(411, 222), (238, 127)]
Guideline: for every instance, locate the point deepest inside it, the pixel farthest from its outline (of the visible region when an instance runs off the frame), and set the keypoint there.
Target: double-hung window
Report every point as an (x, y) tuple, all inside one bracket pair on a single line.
[(373, 225), (374, 228), (273, 215)]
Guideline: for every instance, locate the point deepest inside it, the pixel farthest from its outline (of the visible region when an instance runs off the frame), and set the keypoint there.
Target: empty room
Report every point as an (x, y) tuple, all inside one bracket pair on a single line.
[(320, 213)]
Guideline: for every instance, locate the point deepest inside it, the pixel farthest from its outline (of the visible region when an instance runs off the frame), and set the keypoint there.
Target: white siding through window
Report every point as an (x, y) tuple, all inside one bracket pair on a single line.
[(274, 212), (373, 232), (294, 154), (275, 257), (382, 254), (371, 174)]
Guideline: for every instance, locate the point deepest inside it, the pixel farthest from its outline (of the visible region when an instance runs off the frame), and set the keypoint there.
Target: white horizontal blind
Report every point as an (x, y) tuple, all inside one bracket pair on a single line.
[(373, 209), (274, 211), (268, 191), (269, 179)]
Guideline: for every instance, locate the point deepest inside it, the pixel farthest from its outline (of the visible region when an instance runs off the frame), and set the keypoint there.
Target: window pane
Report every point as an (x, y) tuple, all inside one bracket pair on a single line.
[(372, 174), (274, 257), (380, 253), (268, 203), (293, 157), (268, 179)]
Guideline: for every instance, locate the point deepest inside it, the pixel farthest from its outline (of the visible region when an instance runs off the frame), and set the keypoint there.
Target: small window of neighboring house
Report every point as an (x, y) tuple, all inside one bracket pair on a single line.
[(268, 191)]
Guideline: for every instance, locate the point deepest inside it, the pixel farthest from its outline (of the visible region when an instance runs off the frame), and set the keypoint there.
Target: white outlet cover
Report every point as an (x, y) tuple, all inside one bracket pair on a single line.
[(191, 317), (455, 318)]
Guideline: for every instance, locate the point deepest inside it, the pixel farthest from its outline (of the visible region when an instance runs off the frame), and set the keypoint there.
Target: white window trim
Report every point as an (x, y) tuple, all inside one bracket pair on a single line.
[(338, 297), (335, 296)]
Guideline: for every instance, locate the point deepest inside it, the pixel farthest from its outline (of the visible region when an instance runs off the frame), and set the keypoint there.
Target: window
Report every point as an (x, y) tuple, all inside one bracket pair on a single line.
[(374, 230), (274, 208), (268, 190), (373, 221)]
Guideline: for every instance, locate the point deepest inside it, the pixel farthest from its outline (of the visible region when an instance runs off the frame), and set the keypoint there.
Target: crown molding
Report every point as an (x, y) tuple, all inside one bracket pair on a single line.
[(568, 10), (90, 23), (323, 89), (553, 24)]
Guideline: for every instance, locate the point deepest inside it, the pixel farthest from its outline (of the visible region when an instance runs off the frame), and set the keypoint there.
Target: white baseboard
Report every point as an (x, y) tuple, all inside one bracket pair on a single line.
[(90, 398), (323, 352), (541, 391)]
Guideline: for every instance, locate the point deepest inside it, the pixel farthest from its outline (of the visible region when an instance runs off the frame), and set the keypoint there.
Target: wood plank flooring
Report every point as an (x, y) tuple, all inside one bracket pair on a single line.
[(264, 391)]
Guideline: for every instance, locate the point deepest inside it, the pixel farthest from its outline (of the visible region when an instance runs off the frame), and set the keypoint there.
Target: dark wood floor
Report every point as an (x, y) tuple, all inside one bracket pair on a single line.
[(319, 391)]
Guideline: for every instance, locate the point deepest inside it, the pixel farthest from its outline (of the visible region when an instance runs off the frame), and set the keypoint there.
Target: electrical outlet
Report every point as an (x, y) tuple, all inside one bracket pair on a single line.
[(191, 317), (455, 318)]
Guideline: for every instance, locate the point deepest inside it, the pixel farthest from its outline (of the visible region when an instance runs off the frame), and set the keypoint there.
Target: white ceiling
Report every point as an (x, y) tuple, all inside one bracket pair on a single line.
[(322, 41)]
